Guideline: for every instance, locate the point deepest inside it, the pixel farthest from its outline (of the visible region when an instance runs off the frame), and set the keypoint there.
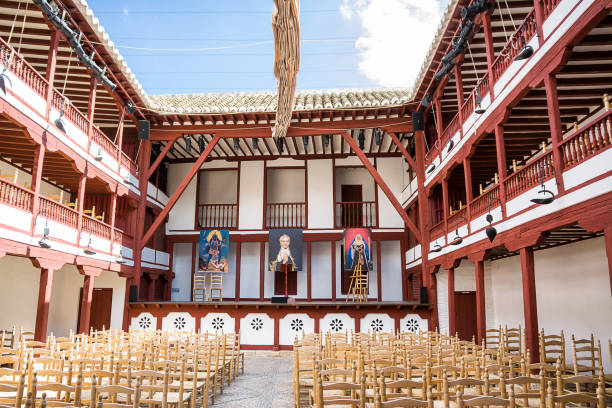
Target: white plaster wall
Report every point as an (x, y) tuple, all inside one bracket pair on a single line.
[(229, 279), (251, 195), (182, 215), (391, 271), (390, 169), (353, 175), (506, 291), (108, 279), (64, 305), (321, 270), (320, 194), (249, 270), (19, 282), (286, 186), (257, 329), (181, 266), (292, 326), (442, 297), (218, 187)]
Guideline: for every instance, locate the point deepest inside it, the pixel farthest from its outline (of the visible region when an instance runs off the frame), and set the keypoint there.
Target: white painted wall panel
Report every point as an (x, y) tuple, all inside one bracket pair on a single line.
[(19, 282), (390, 169), (442, 296), (249, 270), (506, 291), (251, 195), (320, 194), (321, 270), (219, 187), (286, 186), (391, 271), (182, 215), (181, 266)]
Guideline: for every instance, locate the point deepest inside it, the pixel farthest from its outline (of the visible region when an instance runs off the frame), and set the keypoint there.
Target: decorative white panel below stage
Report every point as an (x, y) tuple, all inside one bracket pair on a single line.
[(257, 329), (182, 321), (413, 323), (144, 321), (377, 322), (217, 322), (336, 322), (293, 325)]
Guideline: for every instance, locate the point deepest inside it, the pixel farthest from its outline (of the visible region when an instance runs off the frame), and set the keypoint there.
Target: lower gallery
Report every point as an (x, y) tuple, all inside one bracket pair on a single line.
[(383, 245)]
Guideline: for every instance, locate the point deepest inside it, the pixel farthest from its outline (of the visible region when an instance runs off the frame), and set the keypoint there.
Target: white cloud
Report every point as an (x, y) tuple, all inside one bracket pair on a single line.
[(396, 37)]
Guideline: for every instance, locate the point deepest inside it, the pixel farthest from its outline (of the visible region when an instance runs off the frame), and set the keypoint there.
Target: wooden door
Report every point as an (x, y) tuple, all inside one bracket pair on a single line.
[(465, 314), (352, 214), (101, 303), (279, 282)]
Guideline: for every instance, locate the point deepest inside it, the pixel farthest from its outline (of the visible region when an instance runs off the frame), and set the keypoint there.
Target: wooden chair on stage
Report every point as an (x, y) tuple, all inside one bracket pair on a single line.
[(199, 286), (216, 286)]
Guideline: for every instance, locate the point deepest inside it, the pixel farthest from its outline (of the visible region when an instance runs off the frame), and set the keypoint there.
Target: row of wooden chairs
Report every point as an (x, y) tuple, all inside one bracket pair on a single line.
[(119, 369)]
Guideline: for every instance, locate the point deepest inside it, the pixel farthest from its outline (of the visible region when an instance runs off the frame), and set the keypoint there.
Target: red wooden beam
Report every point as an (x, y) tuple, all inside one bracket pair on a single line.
[(404, 152), (159, 158), (179, 191), (86, 298), (44, 300), (381, 183), (419, 141), (481, 322), (452, 324), (238, 259), (530, 303)]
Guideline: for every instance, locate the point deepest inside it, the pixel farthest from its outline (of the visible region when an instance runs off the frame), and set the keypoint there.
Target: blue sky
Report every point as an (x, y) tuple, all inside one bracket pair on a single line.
[(338, 38)]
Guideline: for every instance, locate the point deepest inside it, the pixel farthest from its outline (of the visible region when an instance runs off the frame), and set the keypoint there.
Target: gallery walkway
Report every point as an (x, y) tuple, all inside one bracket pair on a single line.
[(266, 383)]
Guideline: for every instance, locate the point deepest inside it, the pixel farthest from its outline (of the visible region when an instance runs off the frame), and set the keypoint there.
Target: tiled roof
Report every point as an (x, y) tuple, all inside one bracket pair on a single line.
[(242, 102)]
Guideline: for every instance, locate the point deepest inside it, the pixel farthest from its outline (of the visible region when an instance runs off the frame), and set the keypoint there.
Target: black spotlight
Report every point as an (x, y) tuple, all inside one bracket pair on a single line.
[(130, 107), (305, 140), (526, 52), (457, 240), (490, 231), (201, 144), (326, 140), (436, 248), (445, 70), (171, 150), (431, 168), (44, 241), (99, 156), (236, 144), (188, 144), (426, 100), (546, 196), (361, 139), (450, 146), (479, 6), (377, 136), (280, 144), (59, 122), (479, 109), (254, 142), (88, 250)]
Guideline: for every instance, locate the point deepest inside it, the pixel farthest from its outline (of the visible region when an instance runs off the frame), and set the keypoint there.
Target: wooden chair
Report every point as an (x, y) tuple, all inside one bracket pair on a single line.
[(493, 338), (100, 217), (552, 348), (485, 400), (513, 340), (382, 400), (216, 286), (12, 394), (346, 394), (131, 396), (556, 401)]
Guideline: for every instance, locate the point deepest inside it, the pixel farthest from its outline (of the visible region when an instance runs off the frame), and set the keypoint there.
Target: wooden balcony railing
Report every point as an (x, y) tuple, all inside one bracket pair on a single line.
[(99, 138), (222, 216), (22, 70), (58, 212), (123, 238), (15, 195), (449, 132), (549, 6), (588, 141), (522, 36), (356, 214), (437, 231), (96, 227), (481, 90), (71, 113), (529, 176), (285, 215), (457, 219), (480, 204)]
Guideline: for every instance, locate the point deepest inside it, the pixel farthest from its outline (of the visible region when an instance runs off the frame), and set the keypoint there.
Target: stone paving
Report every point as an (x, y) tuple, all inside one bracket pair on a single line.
[(266, 383)]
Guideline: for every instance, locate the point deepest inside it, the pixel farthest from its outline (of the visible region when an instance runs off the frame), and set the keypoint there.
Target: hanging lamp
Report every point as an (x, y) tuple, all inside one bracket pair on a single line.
[(546, 196)]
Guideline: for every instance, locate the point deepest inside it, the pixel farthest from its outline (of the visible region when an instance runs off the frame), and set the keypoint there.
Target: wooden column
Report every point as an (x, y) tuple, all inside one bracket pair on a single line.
[(556, 132), (445, 205), (439, 120), (151, 288), (86, 297), (489, 50), (91, 109), (79, 205), (378, 272), (238, 260), (333, 270), (459, 87), (44, 299), (112, 214), (539, 14), (467, 174), (39, 156), (405, 282), (51, 64), (530, 305), (126, 305), (500, 148), (608, 238), (309, 270), (452, 326), (481, 319), (144, 160), (119, 140), (262, 269), (419, 139)]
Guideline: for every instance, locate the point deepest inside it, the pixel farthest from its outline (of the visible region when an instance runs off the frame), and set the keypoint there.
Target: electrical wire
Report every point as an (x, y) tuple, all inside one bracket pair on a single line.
[(25, 14)]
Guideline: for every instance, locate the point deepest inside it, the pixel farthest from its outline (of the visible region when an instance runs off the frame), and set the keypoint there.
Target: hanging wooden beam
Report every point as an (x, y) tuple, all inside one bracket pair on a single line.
[(179, 191), (381, 183)]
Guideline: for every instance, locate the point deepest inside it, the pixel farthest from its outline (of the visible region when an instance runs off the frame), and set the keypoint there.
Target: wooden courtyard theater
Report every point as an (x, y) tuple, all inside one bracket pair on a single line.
[(475, 203)]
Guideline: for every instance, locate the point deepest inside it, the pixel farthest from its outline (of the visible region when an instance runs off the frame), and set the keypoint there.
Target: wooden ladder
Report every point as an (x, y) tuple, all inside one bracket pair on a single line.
[(358, 289)]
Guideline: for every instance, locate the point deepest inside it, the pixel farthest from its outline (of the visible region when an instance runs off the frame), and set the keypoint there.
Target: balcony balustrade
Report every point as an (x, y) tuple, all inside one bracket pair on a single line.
[(220, 216), (356, 214), (285, 215)]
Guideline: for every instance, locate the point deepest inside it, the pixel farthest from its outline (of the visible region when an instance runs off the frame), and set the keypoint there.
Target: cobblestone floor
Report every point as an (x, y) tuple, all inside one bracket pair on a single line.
[(266, 383)]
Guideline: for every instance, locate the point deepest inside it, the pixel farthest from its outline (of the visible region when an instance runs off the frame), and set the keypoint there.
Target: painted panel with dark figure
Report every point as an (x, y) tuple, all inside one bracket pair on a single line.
[(214, 251), (357, 248), (285, 249)]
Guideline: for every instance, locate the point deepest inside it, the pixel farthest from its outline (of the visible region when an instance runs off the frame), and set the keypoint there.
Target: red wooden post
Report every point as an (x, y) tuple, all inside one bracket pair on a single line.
[(423, 235), (113, 210), (459, 86), (489, 50), (151, 288), (39, 155), (539, 15), (440, 125), (530, 303), (79, 206), (333, 270), (238, 259), (556, 132), (143, 166), (608, 239), (51, 64), (91, 109), (405, 283), (481, 320), (378, 272), (126, 307), (44, 298), (500, 148), (452, 324), (262, 269), (119, 141), (445, 205), (467, 174), (309, 270), (86, 297)]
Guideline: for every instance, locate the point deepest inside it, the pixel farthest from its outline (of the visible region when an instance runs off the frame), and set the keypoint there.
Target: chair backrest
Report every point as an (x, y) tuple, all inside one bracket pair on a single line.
[(598, 400), (586, 355)]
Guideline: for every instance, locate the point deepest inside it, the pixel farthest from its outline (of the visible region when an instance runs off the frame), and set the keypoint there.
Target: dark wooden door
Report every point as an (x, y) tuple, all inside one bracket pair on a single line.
[(352, 214), (465, 314), (279, 281), (101, 303)]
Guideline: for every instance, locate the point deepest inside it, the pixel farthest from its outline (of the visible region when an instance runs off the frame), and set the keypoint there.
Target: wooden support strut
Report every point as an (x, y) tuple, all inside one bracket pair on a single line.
[(179, 191), (403, 150), (381, 183), (159, 158)]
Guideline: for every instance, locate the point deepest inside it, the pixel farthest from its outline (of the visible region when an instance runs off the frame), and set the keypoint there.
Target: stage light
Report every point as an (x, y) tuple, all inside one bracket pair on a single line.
[(490, 231), (187, 144), (326, 140), (127, 180), (446, 68), (130, 107), (426, 100), (526, 52), (254, 142), (280, 144), (88, 250), (547, 196), (457, 240), (460, 44), (479, 6), (479, 109), (361, 139), (236, 144), (377, 136), (201, 144), (99, 156), (436, 248), (59, 122), (450, 145), (3, 76), (431, 168), (120, 259)]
